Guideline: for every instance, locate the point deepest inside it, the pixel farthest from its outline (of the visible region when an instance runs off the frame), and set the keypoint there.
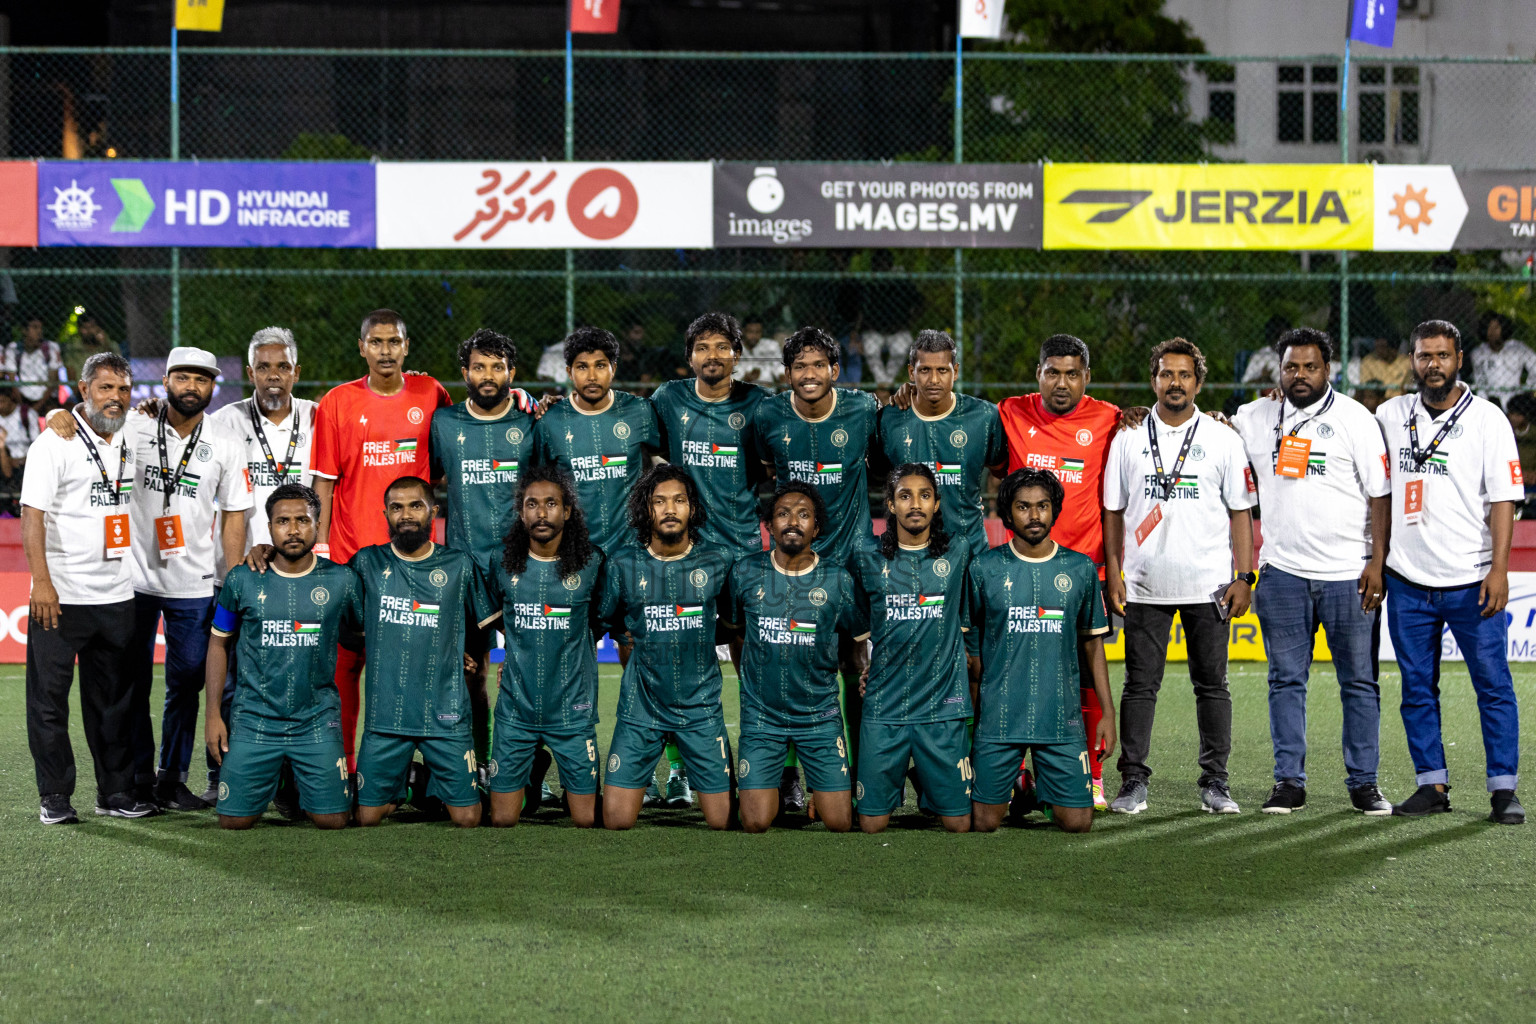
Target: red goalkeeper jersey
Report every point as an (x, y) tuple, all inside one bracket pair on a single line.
[(1074, 447), (365, 441)]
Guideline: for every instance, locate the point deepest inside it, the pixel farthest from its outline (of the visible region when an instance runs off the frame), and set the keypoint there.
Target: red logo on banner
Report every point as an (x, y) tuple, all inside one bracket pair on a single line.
[(594, 15), (18, 204), (602, 203)]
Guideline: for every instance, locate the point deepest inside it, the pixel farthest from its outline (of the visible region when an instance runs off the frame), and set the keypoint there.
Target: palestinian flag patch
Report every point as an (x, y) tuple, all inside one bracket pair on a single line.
[(616, 460), (556, 612), (829, 467), (1050, 613), (930, 600), (306, 627), (801, 627), (946, 469), (503, 467), (405, 444), (423, 609), (1072, 465), (689, 611), (721, 449)]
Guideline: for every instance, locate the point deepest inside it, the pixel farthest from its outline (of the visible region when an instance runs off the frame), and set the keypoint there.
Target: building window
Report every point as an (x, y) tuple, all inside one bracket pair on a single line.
[(1308, 103), (1389, 105), (1221, 102)]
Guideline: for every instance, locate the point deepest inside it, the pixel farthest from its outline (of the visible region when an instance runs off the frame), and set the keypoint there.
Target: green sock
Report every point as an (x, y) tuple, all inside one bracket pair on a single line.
[(790, 760), (674, 757)]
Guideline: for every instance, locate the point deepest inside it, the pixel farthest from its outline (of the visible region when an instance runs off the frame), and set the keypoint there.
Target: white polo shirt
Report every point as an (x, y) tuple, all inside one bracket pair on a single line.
[(1189, 553), (215, 479), (63, 482), (1476, 465), (1317, 526), (235, 420)]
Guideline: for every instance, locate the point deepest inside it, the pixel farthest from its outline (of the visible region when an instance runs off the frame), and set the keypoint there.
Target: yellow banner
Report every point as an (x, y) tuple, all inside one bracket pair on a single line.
[(1208, 206), (1245, 642), (200, 15)]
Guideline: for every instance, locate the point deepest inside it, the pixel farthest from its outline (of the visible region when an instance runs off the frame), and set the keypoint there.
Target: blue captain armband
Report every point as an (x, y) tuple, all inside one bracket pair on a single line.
[(224, 620)]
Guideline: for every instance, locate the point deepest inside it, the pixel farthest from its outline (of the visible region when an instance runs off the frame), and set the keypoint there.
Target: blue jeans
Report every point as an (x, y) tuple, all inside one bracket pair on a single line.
[(1416, 618), (1290, 608), (187, 621)]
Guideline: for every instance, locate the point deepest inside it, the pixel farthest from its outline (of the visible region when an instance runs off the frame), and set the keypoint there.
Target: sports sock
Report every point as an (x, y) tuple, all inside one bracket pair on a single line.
[(674, 757), (1092, 713)]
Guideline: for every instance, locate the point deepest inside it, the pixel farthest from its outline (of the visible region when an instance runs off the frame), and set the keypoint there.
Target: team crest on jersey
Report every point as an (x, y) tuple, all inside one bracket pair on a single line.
[(941, 567), (698, 577), (736, 421), (491, 768), (1197, 453), (571, 582), (613, 762), (621, 430), (742, 768), (1063, 582), (1324, 430), (301, 438), (204, 453), (223, 791), (1085, 437), (414, 414), (860, 794), (319, 595), (817, 596), (958, 439), (1455, 432), (438, 578), (514, 435), (839, 437)]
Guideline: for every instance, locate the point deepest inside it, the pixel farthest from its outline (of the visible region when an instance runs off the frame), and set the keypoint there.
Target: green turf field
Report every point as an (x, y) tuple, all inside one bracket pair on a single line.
[(1173, 915)]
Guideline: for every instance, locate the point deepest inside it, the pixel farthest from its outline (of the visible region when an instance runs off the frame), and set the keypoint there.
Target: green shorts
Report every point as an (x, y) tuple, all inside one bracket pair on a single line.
[(823, 754), (383, 759), (1061, 772), (248, 777), (706, 751), (940, 750), (512, 748)]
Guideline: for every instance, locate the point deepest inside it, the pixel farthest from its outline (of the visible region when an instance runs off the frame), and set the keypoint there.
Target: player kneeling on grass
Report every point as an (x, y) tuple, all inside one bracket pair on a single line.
[(794, 610), (1036, 604), (917, 694), (663, 591), (418, 602), (545, 586), (284, 626)]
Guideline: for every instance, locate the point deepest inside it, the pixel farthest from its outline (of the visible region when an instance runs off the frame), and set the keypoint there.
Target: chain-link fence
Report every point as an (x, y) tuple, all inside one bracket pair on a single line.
[(433, 105)]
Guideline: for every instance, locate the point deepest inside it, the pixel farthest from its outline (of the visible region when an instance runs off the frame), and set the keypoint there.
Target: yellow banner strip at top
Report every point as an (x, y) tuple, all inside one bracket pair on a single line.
[(1208, 206)]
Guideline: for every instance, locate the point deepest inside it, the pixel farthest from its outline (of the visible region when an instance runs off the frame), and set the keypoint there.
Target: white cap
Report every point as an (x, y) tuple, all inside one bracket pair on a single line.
[(188, 358)]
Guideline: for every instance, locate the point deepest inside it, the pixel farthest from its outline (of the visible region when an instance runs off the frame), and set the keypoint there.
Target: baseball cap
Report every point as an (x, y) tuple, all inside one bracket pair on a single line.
[(186, 357)]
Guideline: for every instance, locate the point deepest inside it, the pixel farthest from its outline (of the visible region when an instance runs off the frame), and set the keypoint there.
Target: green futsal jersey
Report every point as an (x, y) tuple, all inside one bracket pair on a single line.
[(829, 453), (713, 440), (414, 615), (916, 619), (1032, 615), (960, 447), (790, 624), (670, 607), (605, 454), (285, 628), (480, 460), (550, 676)]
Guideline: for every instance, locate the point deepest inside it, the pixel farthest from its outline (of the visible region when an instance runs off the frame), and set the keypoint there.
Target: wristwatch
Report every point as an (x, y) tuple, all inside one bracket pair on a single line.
[(1249, 578)]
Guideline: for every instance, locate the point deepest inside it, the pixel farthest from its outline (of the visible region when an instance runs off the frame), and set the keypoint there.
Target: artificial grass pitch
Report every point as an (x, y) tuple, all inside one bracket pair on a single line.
[(1170, 915)]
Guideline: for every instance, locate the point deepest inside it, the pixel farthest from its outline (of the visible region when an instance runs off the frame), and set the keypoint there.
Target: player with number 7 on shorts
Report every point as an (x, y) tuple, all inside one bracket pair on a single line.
[(1036, 605)]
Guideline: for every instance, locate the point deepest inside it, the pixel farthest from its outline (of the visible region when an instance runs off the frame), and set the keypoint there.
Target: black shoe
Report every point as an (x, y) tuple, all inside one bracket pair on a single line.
[(55, 810), (286, 799), (536, 793), (1506, 808), (173, 795), (1425, 800), (125, 805), (1368, 800), (1285, 798), (791, 792)]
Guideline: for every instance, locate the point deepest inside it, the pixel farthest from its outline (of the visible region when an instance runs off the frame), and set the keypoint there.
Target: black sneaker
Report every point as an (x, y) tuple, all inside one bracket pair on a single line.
[(1506, 808), (125, 805), (1285, 798), (286, 799), (173, 795), (55, 810), (1425, 800), (1369, 801), (534, 796), (791, 792)]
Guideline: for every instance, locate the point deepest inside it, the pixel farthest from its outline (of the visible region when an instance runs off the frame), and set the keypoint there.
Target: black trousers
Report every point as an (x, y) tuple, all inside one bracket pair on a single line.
[(98, 636), (1146, 655)]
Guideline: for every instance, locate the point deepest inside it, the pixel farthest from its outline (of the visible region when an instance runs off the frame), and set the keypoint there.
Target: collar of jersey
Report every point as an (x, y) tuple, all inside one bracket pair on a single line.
[(954, 403), (613, 396), (261, 416), (712, 401), (1025, 558), (815, 561), (819, 419), (469, 410), (431, 550), (1182, 426), (297, 575), (670, 558), (541, 558)]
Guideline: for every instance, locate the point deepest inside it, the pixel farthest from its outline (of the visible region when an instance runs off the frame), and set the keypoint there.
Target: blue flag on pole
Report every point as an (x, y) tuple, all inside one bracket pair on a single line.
[(1373, 21)]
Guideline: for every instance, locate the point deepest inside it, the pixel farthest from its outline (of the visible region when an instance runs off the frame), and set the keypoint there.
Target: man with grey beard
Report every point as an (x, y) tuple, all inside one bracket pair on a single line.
[(76, 535)]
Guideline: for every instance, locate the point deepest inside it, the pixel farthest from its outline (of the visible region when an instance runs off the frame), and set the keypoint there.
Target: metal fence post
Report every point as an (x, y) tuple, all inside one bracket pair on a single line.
[(1344, 255), (959, 252), (175, 155), (570, 151)]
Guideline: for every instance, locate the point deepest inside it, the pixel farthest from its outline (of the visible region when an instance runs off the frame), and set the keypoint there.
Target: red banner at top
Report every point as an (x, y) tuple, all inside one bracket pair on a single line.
[(600, 16)]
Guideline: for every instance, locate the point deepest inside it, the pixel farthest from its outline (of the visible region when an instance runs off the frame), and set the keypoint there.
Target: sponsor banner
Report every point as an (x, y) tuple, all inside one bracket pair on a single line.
[(18, 203), (311, 205), (1501, 210), (600, 16), (1417, 208), (14, 620), (544, 206), (1208, 206), (828, 206)]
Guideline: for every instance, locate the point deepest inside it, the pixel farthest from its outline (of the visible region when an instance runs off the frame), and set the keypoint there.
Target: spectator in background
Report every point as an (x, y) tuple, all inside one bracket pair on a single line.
[(1371, 398), (1383, 369), (552, 363), (18, 429), (1520, 410), (1500, 366), (853, 357), (89, 339), (889, 306), (763, 361), (34, 358), (1263, 367)]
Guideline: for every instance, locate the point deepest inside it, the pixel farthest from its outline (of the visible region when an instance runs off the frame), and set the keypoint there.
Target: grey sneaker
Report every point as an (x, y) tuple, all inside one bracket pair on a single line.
[(1132, 798), (652, 797), (1216, 798), (1369, 801), (679, 793)]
